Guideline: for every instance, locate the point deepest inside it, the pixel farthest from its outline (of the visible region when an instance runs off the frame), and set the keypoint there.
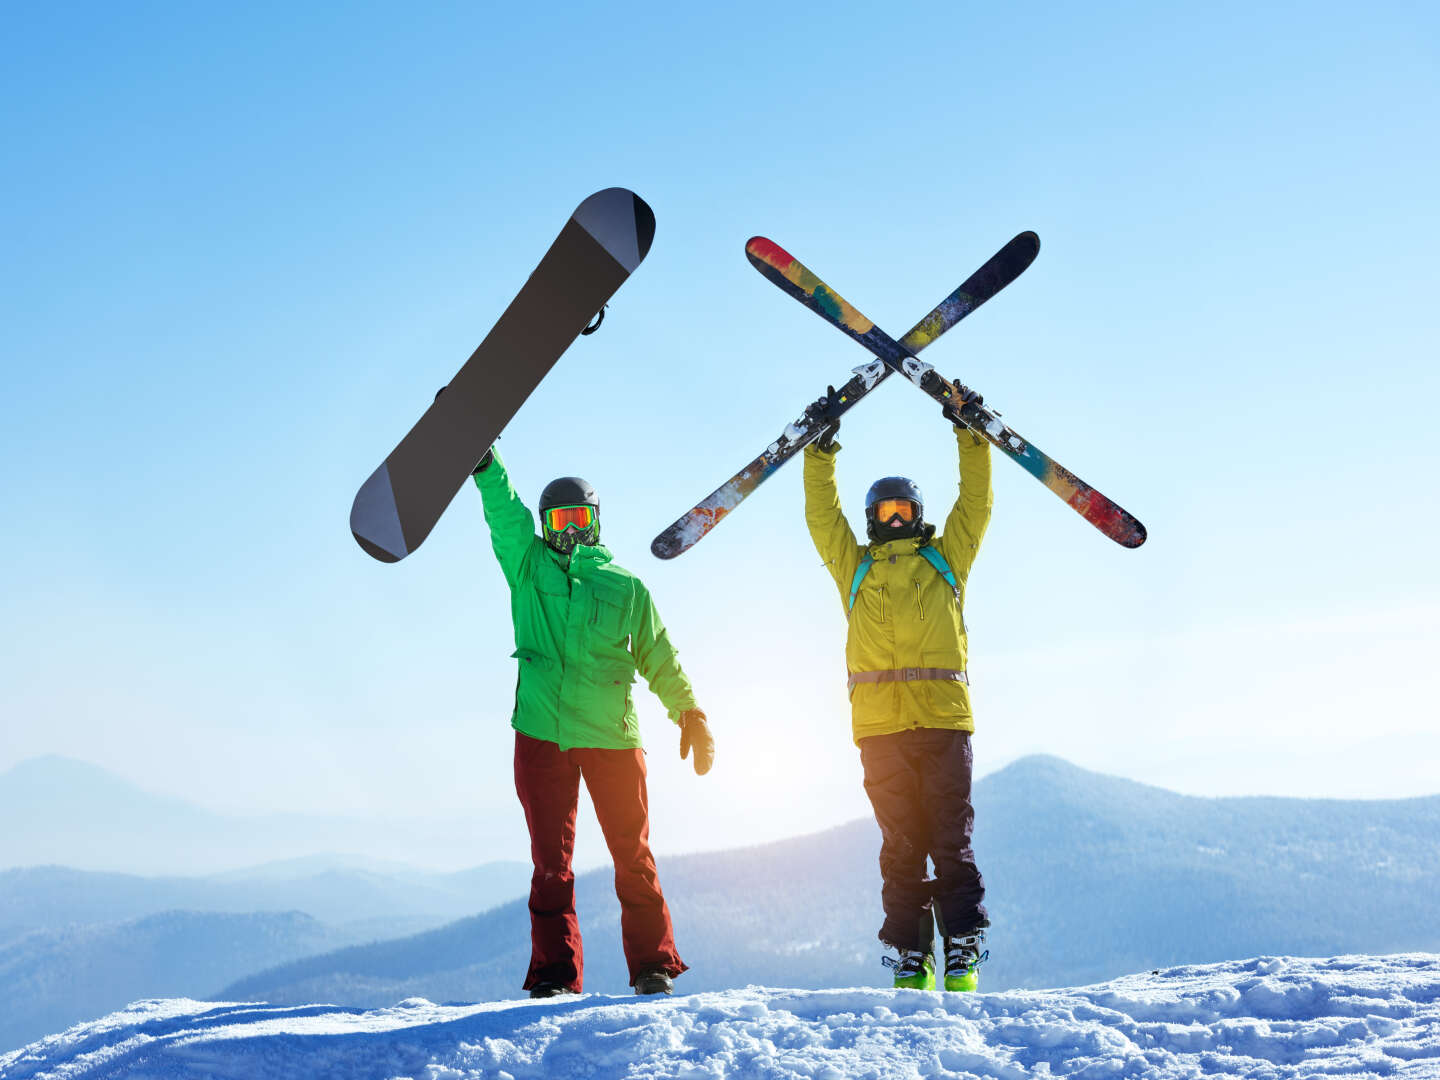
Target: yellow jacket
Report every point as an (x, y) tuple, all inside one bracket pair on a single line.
[(905, 614)]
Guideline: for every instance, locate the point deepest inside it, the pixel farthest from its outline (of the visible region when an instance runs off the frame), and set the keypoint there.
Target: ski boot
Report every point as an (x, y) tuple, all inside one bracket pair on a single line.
[(549, 989), (914, 969), (654, 982), (963, 957)]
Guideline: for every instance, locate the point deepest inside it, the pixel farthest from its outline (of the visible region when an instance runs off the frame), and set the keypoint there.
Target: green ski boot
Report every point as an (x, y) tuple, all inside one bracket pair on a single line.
[(914, 970), (963, 957)]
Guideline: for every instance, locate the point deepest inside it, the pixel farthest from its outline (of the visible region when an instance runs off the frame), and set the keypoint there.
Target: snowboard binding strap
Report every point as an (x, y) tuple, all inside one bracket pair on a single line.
[(599, 318)]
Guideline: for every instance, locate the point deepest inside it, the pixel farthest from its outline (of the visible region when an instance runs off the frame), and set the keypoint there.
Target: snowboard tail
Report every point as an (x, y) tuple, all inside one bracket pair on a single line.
[(606, 238), (999, 270), (793, 277)]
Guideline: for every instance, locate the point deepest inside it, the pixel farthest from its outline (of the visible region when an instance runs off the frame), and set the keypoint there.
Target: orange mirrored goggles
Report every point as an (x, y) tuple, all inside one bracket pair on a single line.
[(886, 509), (560, 518)]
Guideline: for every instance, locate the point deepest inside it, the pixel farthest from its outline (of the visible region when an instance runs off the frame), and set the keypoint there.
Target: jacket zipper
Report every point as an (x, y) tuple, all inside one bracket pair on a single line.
[(919, 603)]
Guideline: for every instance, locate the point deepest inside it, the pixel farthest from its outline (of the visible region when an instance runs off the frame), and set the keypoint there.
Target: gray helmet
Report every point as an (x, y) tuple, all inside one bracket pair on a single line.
[(894, 487), (570, 491)]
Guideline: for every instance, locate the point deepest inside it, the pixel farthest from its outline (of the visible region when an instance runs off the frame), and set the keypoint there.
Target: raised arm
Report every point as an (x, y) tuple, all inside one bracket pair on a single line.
[(829, 530), (512, 526), (965, 526)]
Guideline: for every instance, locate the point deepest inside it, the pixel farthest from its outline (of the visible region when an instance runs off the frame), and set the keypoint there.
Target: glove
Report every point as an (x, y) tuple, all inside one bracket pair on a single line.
[(824, 411), (694, 731), (966, 396)]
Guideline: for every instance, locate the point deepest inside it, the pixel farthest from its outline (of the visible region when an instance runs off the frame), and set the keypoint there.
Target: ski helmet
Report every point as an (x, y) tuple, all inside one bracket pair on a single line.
[(569, 514), (884, 520)]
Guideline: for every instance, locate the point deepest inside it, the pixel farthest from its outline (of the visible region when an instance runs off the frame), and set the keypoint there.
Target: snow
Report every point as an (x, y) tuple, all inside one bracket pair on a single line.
[(1269, 1017)]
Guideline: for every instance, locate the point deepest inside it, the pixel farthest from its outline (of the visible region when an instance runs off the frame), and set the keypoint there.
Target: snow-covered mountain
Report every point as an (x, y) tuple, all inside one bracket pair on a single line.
[(1275, 1017), (1089, 877)]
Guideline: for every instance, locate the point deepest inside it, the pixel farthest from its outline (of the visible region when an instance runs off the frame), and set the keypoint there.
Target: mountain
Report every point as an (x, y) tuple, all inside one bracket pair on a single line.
[(76, 943), (53, 978), (57, 811), (340, 892), (1089, 876), (1278, 1017)]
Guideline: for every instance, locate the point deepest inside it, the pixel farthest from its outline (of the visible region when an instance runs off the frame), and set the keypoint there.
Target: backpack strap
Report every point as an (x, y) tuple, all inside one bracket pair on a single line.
[(935, 559), (928, 553), (866, 561)]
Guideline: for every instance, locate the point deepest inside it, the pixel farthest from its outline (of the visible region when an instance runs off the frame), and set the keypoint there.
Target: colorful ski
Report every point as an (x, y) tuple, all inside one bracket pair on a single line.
[(600, 246), (1002, 268), (784, 270)]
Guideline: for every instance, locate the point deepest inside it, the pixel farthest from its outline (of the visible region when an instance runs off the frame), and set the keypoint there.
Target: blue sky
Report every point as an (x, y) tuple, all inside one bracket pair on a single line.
[(245, 246)]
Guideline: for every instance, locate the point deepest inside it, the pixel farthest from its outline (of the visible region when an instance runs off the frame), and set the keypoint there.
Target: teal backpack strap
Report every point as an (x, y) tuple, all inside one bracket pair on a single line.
[(866, 561), (935, 559)]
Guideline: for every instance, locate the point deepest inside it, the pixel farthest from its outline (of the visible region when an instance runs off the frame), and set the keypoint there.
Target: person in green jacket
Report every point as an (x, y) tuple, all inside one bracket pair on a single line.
[(583, 627), (906, 652)]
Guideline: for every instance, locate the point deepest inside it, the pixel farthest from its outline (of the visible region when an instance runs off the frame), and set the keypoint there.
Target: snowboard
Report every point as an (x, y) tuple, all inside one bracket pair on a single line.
[(605, 239), (792, 277), (999, 271)]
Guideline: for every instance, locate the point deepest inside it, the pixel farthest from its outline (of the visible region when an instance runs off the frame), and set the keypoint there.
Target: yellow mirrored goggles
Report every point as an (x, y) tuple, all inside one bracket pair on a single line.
[(886, 509), (560, 518)]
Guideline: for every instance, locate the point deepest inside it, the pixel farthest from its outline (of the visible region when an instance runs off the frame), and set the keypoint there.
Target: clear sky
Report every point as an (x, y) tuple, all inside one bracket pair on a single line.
[(244, 246)]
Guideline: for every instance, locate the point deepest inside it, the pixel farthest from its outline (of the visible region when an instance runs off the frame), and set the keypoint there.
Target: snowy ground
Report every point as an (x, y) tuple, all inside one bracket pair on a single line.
[(1269, 1017)]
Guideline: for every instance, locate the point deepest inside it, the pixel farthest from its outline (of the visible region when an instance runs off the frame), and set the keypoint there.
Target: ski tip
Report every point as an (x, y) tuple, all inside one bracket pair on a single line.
[(665, 546), (1026, 244), (621, 222)]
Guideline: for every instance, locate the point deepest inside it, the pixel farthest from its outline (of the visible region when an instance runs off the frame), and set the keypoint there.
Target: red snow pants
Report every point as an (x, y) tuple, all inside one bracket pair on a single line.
[(547, 779)]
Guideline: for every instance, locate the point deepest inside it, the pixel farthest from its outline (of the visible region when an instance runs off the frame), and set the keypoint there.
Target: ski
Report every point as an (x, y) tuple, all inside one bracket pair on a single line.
[(999, 271), (787, 272), (605, 239)]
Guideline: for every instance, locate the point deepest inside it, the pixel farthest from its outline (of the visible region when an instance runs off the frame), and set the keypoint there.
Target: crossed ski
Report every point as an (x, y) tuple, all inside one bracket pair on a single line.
[(792, 277), (787, 272), (998, 271)]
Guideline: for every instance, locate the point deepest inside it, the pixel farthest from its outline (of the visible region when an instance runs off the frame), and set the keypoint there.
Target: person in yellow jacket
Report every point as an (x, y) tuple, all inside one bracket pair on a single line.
[(904, 593)]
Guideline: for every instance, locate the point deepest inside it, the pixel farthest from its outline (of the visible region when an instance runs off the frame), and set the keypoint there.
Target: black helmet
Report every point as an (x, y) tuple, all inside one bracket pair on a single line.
[(568, 492), (894, 487)]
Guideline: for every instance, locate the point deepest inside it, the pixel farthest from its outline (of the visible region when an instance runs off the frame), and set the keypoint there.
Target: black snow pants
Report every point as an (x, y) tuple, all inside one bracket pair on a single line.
[(919, 784)]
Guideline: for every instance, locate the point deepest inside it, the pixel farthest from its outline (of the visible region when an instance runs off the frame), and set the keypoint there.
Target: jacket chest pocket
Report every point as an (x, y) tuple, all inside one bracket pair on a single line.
[(609, 613), (873, 603), (551, 580)]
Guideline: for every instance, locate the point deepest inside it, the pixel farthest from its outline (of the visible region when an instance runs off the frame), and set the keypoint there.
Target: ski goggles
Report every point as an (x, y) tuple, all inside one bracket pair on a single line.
[(560, 518), (886, 509)]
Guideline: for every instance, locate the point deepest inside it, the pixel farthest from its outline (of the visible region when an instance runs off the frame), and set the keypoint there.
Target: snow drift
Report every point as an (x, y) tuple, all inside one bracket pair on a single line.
[(1270, 1017)]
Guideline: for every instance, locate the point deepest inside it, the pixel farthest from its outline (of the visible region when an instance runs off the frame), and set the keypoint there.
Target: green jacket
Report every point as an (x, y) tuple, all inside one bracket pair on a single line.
[(583, 627), (905, 614)]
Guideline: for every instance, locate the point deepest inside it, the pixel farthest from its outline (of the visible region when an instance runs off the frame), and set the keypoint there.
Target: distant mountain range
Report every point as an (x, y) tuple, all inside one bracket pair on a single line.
[(75, 944), (54, 978), (58, 811), (1089, 877), (359, 902)]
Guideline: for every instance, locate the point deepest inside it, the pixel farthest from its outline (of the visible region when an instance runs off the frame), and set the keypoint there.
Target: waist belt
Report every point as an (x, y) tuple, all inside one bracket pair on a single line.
[(909, 674)]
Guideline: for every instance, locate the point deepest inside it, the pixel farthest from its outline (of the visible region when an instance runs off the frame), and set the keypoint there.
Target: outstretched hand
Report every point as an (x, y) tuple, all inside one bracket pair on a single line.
[(695, 732), (826, 411), (966, 396)]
